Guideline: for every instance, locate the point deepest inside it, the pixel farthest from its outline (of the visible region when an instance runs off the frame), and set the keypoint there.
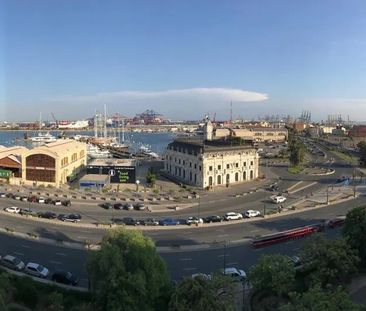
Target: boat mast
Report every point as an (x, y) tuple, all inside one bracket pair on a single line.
[(105, 121), (123, 130)]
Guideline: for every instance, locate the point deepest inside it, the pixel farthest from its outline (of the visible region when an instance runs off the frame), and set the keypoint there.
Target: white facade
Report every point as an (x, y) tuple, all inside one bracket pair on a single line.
[(203, 165)]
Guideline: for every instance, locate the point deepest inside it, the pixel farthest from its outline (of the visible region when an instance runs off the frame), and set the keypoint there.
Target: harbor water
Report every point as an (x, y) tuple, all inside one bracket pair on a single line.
[(157, 142)]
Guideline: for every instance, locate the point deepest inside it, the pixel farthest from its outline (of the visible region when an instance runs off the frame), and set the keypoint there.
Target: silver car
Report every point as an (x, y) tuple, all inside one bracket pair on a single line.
[(36, 269), (12, 262)]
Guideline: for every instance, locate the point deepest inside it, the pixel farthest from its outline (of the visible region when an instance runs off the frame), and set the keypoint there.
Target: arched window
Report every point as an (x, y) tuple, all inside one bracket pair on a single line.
[(251, 174), (210, 181), (244, 175), (219, 179), (236, 176)]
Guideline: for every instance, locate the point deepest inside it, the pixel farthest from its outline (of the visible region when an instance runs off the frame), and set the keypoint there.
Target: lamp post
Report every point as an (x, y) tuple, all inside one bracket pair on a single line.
[(137, 185)]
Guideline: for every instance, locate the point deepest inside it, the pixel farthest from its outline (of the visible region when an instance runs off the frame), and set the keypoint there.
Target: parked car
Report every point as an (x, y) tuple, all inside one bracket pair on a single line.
[(12, 262), (106, 205), (48, 201), (70, 217), (129, 206), (24, 199), (32, 198), (149, 222), (278, 199), (140, 206), (295, 260), (233, 216), (236, 274), (36, 269), (12, 209), (194, 220), (9, 195), (2, 195), (251, 213), (27, 211), (128, 221), (336, 222), (118, 206), (169, 222), (65, 277), (57, 202), (17, 197), (66, 202), (47, 215), (214, 218), (41, 200)]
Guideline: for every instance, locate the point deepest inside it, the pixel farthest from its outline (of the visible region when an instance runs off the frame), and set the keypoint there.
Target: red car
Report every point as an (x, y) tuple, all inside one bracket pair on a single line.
[(32, 198)]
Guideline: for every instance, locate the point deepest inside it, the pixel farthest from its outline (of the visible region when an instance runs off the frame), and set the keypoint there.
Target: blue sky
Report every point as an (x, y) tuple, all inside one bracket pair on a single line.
[(182, 58)]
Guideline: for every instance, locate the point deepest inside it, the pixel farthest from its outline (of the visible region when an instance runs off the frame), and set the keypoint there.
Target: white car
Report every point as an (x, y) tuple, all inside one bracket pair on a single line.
[(194, 221), (41, 200), (278, 199), (236, 274), (12, 209), (251, 213), (233, 216), (36, 269), (57, 202)]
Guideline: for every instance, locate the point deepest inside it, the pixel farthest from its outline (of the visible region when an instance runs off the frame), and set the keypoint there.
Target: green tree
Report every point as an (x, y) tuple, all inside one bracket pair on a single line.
[(318, 299), (273, 273), (151, 177), (4, 289), (354, 231), (328, 261), (297, 151), (362, 147), (127, 273), (199, 293)]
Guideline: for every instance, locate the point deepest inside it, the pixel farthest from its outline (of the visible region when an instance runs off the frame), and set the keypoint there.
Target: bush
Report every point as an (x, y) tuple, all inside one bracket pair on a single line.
[(25, 292)]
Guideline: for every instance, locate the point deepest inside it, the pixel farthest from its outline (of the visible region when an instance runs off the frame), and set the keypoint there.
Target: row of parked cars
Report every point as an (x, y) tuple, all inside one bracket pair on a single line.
[(124, 206), (38, 270), (36, 199), (193, 220), (48, 215)]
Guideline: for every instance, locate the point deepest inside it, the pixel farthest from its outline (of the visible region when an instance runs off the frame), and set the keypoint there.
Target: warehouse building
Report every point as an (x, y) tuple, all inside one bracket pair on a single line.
[(211, 162), (52, 163)]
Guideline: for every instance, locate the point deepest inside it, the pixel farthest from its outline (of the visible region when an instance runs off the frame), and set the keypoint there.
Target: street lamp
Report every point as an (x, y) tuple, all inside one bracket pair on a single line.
[(137, 185)]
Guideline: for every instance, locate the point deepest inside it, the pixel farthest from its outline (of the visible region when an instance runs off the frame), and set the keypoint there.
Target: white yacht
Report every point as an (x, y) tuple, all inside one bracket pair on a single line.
[(43, 138), (96, 153)]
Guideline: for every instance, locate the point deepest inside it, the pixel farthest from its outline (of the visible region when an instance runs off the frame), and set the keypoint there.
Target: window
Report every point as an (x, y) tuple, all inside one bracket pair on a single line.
[(236, 176), (210, 168), (184, 162), (190, 164), (244, 175), (210, 179), (200, 167), (251, 175), (236, 164), (251, 162), (195, 166), (82, 153), (219, 179), (245, 163), (219, 167), (179, 161), (227, 165)]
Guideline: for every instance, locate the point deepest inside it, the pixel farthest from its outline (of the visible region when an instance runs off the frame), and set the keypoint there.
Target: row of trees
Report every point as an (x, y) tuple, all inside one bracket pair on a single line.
[(327, 266)]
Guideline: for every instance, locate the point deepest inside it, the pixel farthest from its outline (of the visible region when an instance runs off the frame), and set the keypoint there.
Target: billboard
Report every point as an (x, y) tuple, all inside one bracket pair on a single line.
[(118, 174)]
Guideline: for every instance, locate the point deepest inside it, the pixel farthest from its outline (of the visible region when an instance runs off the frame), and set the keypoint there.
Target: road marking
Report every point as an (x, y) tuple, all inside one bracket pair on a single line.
[(185, 259), (55, 262), (61, 254), (18, 253), (25, 246), (189, 269)]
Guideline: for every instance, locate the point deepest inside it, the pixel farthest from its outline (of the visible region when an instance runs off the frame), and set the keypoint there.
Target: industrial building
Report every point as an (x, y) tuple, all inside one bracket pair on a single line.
[(254, 133), (211, 161), (49, 164)]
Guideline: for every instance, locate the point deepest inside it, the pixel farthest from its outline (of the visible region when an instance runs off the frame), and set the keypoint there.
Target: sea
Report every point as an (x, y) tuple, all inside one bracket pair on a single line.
[(157, 142)]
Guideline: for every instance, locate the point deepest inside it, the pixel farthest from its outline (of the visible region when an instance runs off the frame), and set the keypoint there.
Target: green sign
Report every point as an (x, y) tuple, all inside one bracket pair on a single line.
[(5, 173)]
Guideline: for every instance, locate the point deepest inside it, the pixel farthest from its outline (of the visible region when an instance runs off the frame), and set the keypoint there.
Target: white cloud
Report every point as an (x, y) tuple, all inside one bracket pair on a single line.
[(178, 104)]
